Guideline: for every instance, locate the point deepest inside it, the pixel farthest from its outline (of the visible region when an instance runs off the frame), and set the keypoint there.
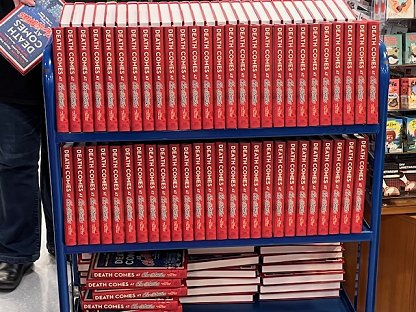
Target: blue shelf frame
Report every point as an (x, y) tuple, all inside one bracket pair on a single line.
[(370, 234)]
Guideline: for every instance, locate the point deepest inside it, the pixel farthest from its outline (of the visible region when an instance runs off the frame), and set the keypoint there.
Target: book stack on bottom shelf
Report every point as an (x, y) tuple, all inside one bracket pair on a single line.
[(301, 271)]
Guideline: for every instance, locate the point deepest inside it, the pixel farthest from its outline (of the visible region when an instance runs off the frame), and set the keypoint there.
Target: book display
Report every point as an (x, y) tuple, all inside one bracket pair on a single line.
[(214, 154)]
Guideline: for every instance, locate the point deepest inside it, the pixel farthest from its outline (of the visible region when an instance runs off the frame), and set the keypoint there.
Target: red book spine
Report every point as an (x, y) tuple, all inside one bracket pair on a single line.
[(266, 75), (279, 189), (326, 74), (359, 184), (338, 73), (267, 190), (207, 78), (158, 48), (105, 196), (123, 91), (290, 75), (129, 304), (314, 180), (141, 193), (152, 193), (314, 74), (278, 95), (254, 76), (135, 89), (361, 74), (302, 73), (188, 192), (117, 194), (195, 77), (373, 65), (81, 195), (245, 188), (92, 195), (303, 178), (222, 192), (243, 75), (171, 78), (230, 51), (233, 190), (70, 224), (175, 191), (325, 187), (336, 193), (164, 196), (121, 294), (183, 79), (199, 188), (129, 194), (147, 79), (291, 192), (349, 73), (74, 96), (110, 79), (100, 123), (219, 77), (348, 187), (210, 191), (256, 189), (59, 56), (107, 284)]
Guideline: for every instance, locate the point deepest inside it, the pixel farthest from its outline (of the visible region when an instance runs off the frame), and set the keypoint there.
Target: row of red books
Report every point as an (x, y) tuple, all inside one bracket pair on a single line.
[(204, 65), (176, 192)]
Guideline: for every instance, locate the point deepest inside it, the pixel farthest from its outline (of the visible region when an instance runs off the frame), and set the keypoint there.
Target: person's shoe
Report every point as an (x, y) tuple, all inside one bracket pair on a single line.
[(11, 274)]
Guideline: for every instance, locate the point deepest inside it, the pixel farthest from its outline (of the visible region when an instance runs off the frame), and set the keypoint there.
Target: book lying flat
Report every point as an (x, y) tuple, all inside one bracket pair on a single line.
[(299, 287), (217, 299), (305, 266), (285, 249), (222, 290), (204, 262), (190, 282), (243, 272), (301, 256), (301, 295), (301, 277), (221, 250)]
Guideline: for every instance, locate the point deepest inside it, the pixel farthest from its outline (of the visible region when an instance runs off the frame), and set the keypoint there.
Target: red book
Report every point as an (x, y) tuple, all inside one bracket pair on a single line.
[(243, 75), (183, 78), (303, 178), (314, 74), (110, 78), (207, 84), (210, 191), (325, 186), (123, 294), (256, 188), (147, 78), (267, 189), (164, 196), (70, 224), (291, 191), (233, 190), (171, 78), (245, 171), (348, 186), (219, 77), (141, 193), (279, 76), (107, 284), (290, 75), (266, 76), (117, 195), (59, 56), (159, 77), (314, 186), (254, 68), (105, 195), (279, 189), (336, 192), (152, 192), (373, 68), (129, 193), (359, 184), (81, 195), (187, 192), (195, 77), (92, 195), (302, 76), (326, 74), (361, 73), (175, 190), (222, 192), (338, 73), (135, 88), (349, 73), (199, 190)]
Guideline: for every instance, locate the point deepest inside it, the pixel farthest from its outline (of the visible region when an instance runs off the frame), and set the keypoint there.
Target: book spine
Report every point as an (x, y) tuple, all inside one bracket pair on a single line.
[(149, 273), (325, 182), (195, 77), (105, 196), (256, 189), (303, 178), (290, 75), (152, 193), (164, 196), (245, 188), (266, 76), (348, 187), (158, 53), (70, 224), (373, 68), (230, 51), (279, 189), (278, 95), (132, 284), (359, 185), (147, 78), (314, 74), (267, 190), (219, 77), (59, 56), (233, 190), (302, 76), (349, 73), (123, 91), (188, 192), (175, 191), (129, 194), (254, 63), (71, 44), (222, 191), (110, 79), (336, 193), (100, 118), (199, 185), (207, 77), (171, 79), (291, 192), (92, 195), (243, 76), (210, 191), (115, 294), (141, 193), (117, 195), (314, 187), (135, 88), (326, 74), (81, 195), (148, 305), (183, 79), (338, 73), (361, 74)]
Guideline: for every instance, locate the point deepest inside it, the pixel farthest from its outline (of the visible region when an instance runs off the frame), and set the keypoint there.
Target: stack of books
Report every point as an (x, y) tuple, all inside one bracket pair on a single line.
[(301, 271)]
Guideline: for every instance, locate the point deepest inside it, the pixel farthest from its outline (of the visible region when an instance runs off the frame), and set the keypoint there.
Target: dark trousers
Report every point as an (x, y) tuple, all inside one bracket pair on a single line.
[(22, 133)]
